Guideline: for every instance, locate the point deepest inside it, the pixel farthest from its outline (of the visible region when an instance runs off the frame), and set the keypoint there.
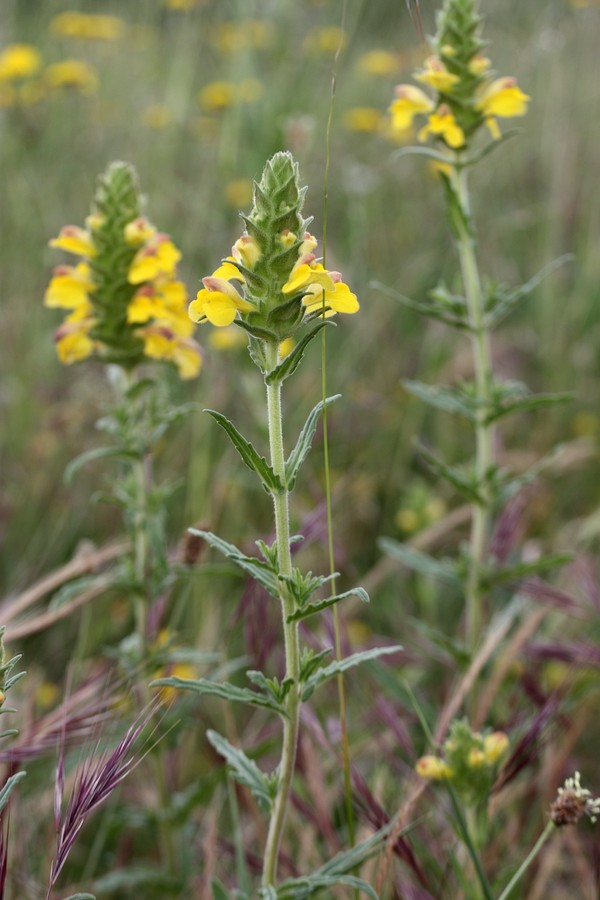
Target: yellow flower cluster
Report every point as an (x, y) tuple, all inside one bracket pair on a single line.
[(86, 26), (23, 83), (490, 100), (156, 310), (323, 292), (483, 752), (219, 95)]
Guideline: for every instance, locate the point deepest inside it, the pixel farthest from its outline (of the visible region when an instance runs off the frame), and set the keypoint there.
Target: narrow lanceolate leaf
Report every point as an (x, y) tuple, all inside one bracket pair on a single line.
[(446, 307), (81, 897), (460, 480), (91, 455), (442, 570), (300, 888), (452, 400), (222, 689), (527, 403), (526, 569), (309, 609), (501, 302), (244, 769), (258, 569), (289, 365), (271, 481), (8, 788), (303, 445), (342, 665)]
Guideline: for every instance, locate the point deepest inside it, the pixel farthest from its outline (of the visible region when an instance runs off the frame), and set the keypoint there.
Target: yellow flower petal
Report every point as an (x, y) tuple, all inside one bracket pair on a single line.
[(74, 240), (410, 102), (503, 98)]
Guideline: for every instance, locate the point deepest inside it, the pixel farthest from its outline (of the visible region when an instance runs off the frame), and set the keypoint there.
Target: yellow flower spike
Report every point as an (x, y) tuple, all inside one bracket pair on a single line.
[(158, 257), (437, 76), (139, 231), (410, 102), (146, 305), (19, 61), (187, 358), (502, 98), (69, 287), (494, 746), (433, 768), (443, 124), (246, 251), (74, 240), (303, 275), (217, 95)]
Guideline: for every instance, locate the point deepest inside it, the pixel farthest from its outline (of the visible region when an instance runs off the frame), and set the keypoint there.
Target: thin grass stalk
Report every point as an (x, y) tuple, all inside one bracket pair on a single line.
[(484, 455), (336, 617), (550, 827), (290, 630)]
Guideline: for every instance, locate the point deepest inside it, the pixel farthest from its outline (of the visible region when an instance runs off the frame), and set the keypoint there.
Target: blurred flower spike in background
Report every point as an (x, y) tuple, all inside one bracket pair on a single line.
[(465, 96), (123, 298)]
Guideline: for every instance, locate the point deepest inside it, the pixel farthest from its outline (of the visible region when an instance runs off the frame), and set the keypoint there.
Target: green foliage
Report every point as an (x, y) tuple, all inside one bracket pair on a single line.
[(261, 571), (321, 675), (226, 691), (270, 481), (246, 771), (304, 442), (291, 362)]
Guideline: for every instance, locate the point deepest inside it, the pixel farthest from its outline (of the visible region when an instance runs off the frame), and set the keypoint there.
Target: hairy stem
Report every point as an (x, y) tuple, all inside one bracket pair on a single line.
[(484, 455), (290, 631)]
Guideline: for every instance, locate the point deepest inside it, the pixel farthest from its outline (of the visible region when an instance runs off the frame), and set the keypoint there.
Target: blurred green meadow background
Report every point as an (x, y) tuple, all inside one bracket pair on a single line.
[(197, 95)]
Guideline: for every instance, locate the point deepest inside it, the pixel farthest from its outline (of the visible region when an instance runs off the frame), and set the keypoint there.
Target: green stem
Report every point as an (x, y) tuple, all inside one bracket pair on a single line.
[(527, 861), (470, 845), (484, 456), (290, 630)]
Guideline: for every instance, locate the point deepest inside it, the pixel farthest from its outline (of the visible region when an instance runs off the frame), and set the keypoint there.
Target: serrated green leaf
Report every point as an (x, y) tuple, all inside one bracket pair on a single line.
[(262, 334), (94, 454), (452, 400), (304, 443), (258, 569), (81, 897), (291, 362), (338, 666), (222, 689), (442, 570), (256, 349), (301, 888), (310, 609), (9, 785), (244, 769), (271, 482)]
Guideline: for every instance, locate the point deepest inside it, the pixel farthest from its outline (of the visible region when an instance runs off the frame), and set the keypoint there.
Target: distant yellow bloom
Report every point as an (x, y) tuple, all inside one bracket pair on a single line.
[(217, 95), (238, 193), (494, 746), (73, 24), (324, 40), (362, 118), (378, 62), (410, 102), (19, 61), (181, 5), (72, 73), (156, 116), (437, 76), (228, 338), (286, 347), (232, 37), (162, 344), (476, 758), (433, 768), (443, 124)]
